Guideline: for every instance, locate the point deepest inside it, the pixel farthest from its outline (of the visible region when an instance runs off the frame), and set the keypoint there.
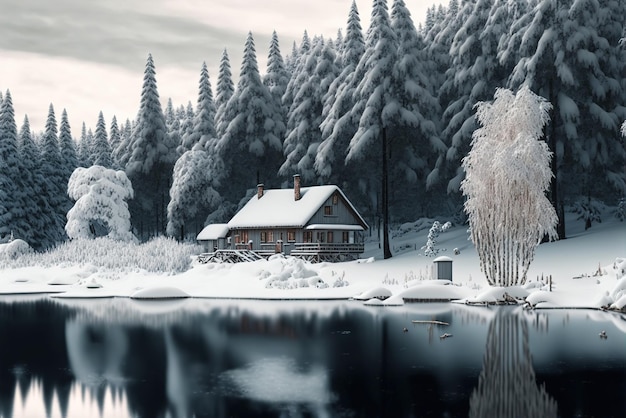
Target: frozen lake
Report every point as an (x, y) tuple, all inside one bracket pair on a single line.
[(222, 358)]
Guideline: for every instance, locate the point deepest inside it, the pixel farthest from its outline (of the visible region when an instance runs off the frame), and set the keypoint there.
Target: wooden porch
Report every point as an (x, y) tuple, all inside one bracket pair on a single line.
[(318, 252)]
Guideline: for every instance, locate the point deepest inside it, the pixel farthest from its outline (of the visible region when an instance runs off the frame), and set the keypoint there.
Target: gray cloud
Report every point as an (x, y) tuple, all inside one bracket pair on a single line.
[(114, 33)]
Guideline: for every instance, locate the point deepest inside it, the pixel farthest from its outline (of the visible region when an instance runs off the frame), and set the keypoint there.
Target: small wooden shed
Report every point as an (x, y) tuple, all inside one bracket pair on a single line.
[(213, 237), (442, 269)]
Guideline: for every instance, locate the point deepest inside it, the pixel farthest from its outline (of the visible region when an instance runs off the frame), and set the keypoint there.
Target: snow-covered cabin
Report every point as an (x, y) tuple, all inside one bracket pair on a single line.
[(317, 223)]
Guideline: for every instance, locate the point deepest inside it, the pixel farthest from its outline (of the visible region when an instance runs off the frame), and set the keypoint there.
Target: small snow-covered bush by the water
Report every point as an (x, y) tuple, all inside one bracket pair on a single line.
[(14, 249)]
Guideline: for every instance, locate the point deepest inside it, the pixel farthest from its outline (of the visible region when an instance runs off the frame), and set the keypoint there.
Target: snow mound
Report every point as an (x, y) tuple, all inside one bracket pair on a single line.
[(499, 295), (60, 281), (616, 299), (93, 284), (14, 249), (434, 290), (294, 273), (395, 300), (620, 304), (373, 302), (159, 292), (543, 297), (603, 301), (377, 292)]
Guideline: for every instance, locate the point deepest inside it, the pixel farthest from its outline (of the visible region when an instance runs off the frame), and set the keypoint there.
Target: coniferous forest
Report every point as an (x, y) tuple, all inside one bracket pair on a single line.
[(385, 112)]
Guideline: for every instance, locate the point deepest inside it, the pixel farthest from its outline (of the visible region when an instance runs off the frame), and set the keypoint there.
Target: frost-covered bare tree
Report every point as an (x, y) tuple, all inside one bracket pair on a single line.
[(507, 175)]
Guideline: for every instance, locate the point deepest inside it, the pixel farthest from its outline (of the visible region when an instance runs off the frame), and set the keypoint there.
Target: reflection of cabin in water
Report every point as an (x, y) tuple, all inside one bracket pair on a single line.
[(317, 223)]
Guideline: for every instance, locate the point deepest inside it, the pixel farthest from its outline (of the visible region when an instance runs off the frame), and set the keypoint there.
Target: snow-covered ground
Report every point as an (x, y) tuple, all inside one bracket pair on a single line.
[(588, 270)]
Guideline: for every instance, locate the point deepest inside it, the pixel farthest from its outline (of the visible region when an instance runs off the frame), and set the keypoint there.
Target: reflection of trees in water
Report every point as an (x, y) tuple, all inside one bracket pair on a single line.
[(507, 386)]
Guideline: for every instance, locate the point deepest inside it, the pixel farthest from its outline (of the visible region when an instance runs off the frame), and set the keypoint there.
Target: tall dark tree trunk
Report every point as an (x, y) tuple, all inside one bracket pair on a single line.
[(385, 196), (554, 164)]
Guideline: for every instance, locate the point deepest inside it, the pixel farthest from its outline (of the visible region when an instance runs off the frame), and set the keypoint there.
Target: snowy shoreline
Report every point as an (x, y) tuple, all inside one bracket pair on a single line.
[(587, 272)]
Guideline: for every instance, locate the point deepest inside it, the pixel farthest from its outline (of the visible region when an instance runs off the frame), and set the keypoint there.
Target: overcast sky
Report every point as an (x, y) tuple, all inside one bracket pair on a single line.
[(89, 55)]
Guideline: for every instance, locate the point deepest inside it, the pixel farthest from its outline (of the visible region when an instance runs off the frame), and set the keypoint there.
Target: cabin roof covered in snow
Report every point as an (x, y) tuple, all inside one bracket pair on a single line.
[(213, 232), (278, 208)]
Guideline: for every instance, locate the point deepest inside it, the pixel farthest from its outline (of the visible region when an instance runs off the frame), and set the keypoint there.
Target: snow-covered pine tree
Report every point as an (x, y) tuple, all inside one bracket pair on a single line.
[(507, 175), (292, 58), (11, 187), (252, 143), (204, 120), (599, 65), (53, 187), (378, 108), (224, 91), (473, 75), (186, 126), (310, 82), (276, 77), (338, 124), (439, 40), (152, 157), (193, 193), (338, 45), (101, 150), (36, 208), (430, 249), (565, 58), (416, 136), (169, 113), (67, 147), (115, 139), (509, 43), (121, 154), (83, 153)]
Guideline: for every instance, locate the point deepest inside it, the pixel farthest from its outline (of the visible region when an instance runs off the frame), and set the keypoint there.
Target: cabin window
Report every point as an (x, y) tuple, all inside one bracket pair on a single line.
[(267, 236), (328, 210), (242, 238), (308, 236), (345, 236), (329, 236), (291, 235), (335, 199), (321, 237)]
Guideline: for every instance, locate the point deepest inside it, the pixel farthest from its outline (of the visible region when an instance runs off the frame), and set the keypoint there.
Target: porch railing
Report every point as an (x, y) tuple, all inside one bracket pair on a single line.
[(326, 248)]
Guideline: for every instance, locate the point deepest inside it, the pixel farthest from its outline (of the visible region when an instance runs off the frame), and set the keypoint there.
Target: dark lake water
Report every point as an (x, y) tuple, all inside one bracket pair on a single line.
[(219, 358)]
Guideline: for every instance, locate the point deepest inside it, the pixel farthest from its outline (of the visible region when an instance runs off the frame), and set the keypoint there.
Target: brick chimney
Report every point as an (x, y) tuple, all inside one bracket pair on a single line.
[(259, 190), (296, 187)]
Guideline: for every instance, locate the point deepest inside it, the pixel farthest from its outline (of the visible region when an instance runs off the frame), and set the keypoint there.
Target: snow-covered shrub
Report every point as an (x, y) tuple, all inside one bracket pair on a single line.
[(589, 210), (340, 281), (159, 255), (100, 194), (430, 249), (412, 227), (14, 249)]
